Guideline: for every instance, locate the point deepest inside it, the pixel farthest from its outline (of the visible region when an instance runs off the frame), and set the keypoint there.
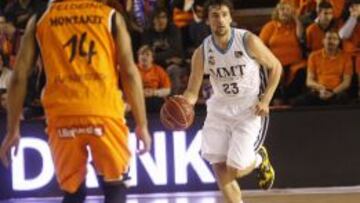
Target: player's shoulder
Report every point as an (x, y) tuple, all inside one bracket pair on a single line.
[(242, 33), (240, 30), (206, 40)]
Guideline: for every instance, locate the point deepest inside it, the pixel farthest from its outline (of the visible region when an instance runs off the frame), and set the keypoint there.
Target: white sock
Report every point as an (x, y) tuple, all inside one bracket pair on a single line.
[(258, 160)]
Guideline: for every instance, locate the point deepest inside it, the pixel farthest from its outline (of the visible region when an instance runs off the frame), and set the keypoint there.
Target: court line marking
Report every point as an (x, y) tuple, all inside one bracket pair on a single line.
[(247, 193)]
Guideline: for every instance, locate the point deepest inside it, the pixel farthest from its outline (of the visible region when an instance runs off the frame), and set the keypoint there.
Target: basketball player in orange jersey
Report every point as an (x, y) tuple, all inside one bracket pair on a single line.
[(232, 132), (81, 42)]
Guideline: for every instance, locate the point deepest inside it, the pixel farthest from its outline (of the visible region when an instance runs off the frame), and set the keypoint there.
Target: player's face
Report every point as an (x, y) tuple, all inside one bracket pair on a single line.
[(146, 58), (219, 19), (326, 15)]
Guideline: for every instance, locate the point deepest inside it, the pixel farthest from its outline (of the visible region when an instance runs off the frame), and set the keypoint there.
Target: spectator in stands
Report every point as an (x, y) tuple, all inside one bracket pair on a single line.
[(127, 9), (282, 35), (198, 29), (307, 9), (156, 81), (329, 74), (182, 13), (350, 33), (165, 40), (19, 12), (308, 6), (315, 33), (5, 73), (7, 37), (182, 16), (142, 10)]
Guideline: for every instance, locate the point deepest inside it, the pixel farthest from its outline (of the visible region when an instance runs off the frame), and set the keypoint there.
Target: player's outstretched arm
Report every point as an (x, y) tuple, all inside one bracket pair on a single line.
[(131, 81), (196, 76), (266, 58), (17, 89)]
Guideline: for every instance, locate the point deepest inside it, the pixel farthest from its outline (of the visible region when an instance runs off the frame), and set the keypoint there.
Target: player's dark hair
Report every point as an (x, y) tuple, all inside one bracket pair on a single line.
[(212, 3)]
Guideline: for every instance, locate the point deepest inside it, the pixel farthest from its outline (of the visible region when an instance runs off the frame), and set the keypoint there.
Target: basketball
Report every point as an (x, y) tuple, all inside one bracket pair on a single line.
[(177, 113)]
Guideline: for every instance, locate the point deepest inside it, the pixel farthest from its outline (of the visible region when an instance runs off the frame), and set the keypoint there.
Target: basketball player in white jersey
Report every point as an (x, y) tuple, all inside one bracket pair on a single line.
[(232, 132)]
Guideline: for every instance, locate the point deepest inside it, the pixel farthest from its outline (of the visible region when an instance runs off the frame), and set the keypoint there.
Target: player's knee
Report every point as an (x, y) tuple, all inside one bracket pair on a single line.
[(77, 197), (239, 173)]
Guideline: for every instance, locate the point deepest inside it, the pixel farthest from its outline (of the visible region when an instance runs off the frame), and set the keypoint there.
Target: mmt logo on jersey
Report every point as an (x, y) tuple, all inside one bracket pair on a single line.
[(184, 157), (227, 72)]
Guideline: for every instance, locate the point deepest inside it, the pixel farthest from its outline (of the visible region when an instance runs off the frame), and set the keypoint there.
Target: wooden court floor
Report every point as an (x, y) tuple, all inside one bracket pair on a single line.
[(307, 195)]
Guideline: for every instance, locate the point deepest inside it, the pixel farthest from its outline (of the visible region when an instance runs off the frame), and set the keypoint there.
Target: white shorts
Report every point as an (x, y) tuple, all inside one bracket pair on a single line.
[(233, 139)]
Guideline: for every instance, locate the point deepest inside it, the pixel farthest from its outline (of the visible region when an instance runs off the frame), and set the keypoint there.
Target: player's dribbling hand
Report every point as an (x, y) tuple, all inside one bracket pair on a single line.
[(143, 135), (10, 140), (262, 108)]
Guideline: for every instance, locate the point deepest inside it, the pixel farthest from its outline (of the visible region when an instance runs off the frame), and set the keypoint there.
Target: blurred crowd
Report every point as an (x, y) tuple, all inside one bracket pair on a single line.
[(317, 42)]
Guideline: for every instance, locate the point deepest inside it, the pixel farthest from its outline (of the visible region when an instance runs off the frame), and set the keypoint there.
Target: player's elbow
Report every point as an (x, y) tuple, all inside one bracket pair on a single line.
[(276, 68)]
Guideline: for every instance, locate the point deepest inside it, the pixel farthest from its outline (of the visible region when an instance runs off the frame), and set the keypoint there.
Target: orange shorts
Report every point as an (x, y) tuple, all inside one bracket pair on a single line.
[(357, 64), (107, 139)]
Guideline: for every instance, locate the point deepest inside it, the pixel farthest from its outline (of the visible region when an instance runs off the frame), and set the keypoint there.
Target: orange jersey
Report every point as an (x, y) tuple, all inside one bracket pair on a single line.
[(69, 136), (329, 70), (154, 77), (282, 41), (78, 53)]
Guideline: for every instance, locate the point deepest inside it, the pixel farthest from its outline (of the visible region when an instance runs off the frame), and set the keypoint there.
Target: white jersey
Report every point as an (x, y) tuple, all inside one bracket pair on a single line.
[(232, 132), (233, 73)]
